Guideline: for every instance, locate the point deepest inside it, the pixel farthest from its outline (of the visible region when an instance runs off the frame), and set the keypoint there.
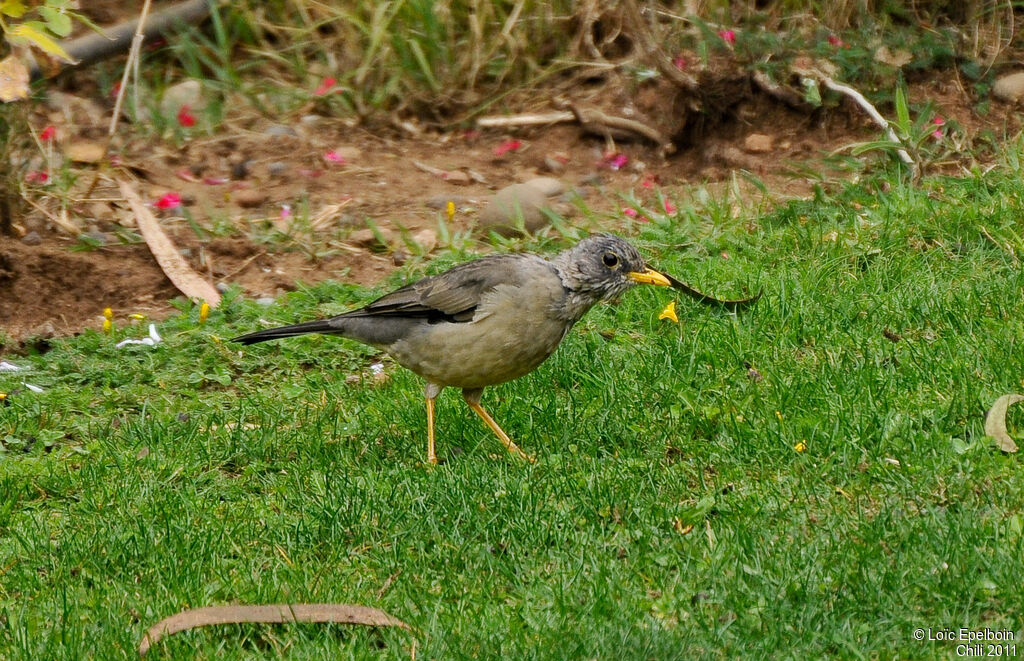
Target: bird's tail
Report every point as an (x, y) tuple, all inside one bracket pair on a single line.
[(319, 326)]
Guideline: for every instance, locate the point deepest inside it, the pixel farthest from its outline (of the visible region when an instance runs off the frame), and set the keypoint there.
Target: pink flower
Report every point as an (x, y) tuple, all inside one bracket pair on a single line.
[(286, 211), (634, 214), (169, 201), (186, 174), (507, 146), (679, 62), (835, 41), (728, 36), (36, 177), (48, 134), (185, 117), (669, 207), (649, 181), (938, 120), (115, 90), (326, 85), (613, 161), (334, 157)]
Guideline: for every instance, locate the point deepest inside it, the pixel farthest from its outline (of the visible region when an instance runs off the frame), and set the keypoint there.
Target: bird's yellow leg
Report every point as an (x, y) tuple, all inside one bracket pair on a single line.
[(431, 454), (472, 398), (432, 391)]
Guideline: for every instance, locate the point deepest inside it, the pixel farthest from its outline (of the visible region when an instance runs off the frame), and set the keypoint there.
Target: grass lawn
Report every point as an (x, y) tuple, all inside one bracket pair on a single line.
[(670, 514)]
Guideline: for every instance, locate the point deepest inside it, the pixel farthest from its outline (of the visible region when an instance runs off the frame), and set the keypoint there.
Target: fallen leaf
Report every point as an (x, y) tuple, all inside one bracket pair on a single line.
[(86, 151), (995, 422), (271, 614), (13, 79), (166, 253)]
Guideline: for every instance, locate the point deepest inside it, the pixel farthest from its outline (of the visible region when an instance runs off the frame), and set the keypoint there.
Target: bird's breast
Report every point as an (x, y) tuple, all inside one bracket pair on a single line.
[(515, 328)]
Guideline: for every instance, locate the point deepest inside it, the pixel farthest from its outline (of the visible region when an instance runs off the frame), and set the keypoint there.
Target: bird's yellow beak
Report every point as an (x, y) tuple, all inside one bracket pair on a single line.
[(649, 277)]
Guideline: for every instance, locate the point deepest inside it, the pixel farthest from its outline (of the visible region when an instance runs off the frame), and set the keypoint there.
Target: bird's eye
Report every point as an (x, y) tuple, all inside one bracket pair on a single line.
[(611, 260)]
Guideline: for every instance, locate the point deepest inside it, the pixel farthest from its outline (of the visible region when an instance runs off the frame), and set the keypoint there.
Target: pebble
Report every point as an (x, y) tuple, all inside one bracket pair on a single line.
[(547, 185), (266, 300), (758, 143), (280, 130), (249, 197), (365, 238), (426, 239), (32, 239), (440, 202), (277, 168), (188, 93), (1010, 87)]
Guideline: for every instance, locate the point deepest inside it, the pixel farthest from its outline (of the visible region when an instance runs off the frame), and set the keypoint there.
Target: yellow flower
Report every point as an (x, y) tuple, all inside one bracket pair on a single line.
[(137, 316), (107, 326), (669, 312), (800, 447), (204, 312), (450, 208), (108, 314)]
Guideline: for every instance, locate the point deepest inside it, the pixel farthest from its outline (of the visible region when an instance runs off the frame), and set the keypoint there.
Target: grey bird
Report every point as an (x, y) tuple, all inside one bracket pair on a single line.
[(487, 321)]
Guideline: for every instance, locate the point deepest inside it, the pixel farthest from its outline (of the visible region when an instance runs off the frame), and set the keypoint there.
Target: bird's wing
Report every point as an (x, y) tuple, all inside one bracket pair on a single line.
[(455, 294)]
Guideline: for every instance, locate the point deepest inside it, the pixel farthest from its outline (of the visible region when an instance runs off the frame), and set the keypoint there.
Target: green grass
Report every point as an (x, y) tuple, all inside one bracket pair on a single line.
[(668, 515)]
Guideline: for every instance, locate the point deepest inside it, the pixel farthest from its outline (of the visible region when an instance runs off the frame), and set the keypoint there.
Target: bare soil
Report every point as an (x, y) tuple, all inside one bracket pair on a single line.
[(236, 182)]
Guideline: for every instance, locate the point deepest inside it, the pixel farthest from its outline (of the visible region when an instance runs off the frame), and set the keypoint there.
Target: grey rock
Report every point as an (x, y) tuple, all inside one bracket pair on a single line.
[(32, 239), (510, 205), (280, 130), (547, 185)]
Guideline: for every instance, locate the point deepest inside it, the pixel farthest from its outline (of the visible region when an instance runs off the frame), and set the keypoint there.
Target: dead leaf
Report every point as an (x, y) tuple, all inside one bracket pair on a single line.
[(995, 422), (271, 613), (86, 151), (13, 79), (896, 58), (167, 256)]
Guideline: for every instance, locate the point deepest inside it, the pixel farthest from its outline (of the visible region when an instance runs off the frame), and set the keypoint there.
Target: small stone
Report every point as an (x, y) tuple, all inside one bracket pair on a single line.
[(512, 204), (86, 151), (249, 197), (188, 93), (1010, 88), (277, 168), (547, 185), (266, 300), (400, 256), (457, 177), (553, 165), (348, 152), (223, 287), (240, 170), (758, 143), (426, 239), (280, 130), (99, 238), (366, 238), (440, 202), (32, 239)]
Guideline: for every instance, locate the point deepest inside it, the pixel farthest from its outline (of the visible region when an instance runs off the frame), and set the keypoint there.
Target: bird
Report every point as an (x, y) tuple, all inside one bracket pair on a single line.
[(487, 321)]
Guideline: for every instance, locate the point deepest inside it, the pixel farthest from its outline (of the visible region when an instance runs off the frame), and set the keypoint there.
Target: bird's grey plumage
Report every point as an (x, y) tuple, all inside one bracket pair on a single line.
[(486, 321)]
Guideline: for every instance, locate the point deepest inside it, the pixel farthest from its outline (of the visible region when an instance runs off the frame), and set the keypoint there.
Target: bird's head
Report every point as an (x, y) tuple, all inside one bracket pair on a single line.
[(601, 267)]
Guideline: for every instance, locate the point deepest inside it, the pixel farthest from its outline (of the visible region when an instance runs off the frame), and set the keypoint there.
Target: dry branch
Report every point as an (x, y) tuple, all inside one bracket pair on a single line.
[(94, 47)]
